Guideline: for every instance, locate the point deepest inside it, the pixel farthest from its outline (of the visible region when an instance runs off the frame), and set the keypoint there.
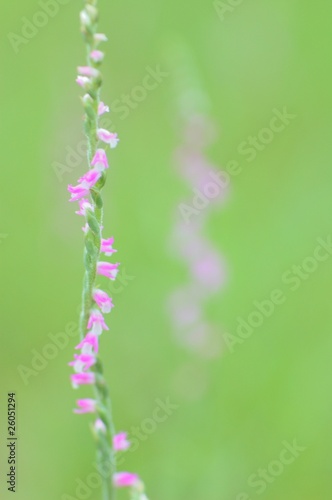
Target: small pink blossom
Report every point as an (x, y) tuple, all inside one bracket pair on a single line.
[(124, 479), (107, 269), (103, 300), (102, 108), (77, 192), (83, 378), (97, 322), (108, 137), (99, 160), (97, 56), (89, 343), (100, 37), (84, 206), (85, 184), (99, 426), (90, 178), (106, 247), (120, 442), (88, 71), (86, 406), (82, 362), (82, 81)]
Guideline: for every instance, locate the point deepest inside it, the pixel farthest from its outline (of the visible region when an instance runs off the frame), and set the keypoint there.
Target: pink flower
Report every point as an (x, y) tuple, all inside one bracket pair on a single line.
[(102, 300), (89, 343), (77, 192), (100, 37), (86, 406), (97, 322), (82, 362), (123, 479), (108, 137), (90, 178), (99, 160), (82, 81), (97, 56), (102, 108), (88, 71), (85, 184), (120, 442), (107, 269), (99, 426), (84, 206), (83, 378), (106, 247)]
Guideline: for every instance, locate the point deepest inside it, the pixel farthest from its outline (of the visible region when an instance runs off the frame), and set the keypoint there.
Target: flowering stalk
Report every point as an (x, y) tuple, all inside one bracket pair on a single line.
[(207, 274), (95, 302)]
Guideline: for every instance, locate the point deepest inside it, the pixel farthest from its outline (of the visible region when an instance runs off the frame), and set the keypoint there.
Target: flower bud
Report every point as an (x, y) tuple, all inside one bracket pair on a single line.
[(85, 19), (92, 13)]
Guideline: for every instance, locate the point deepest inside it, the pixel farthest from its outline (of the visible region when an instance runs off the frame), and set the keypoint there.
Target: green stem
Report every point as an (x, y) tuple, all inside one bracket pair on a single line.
[(105, 452)]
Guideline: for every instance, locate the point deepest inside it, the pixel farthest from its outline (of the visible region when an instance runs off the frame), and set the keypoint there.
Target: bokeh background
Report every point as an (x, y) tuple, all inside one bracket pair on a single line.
[(237, 408)]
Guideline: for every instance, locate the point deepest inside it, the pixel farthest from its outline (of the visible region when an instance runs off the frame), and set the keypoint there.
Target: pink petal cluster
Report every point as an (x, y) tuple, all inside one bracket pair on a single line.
[(86, 406), (88, 71), (107, 269), (82, 362), (102, 109), (85, 183), (84, 205), (96, 322), (125, 479), (99, 160), (108, 137), (89, 344), (82, 81), (120, 442), (90, 178), (107, 247), (103, 301), (83, 378), (97, 56)]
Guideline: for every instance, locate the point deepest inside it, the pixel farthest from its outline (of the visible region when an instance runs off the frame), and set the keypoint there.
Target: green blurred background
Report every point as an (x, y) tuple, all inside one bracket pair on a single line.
[(235, 411)]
